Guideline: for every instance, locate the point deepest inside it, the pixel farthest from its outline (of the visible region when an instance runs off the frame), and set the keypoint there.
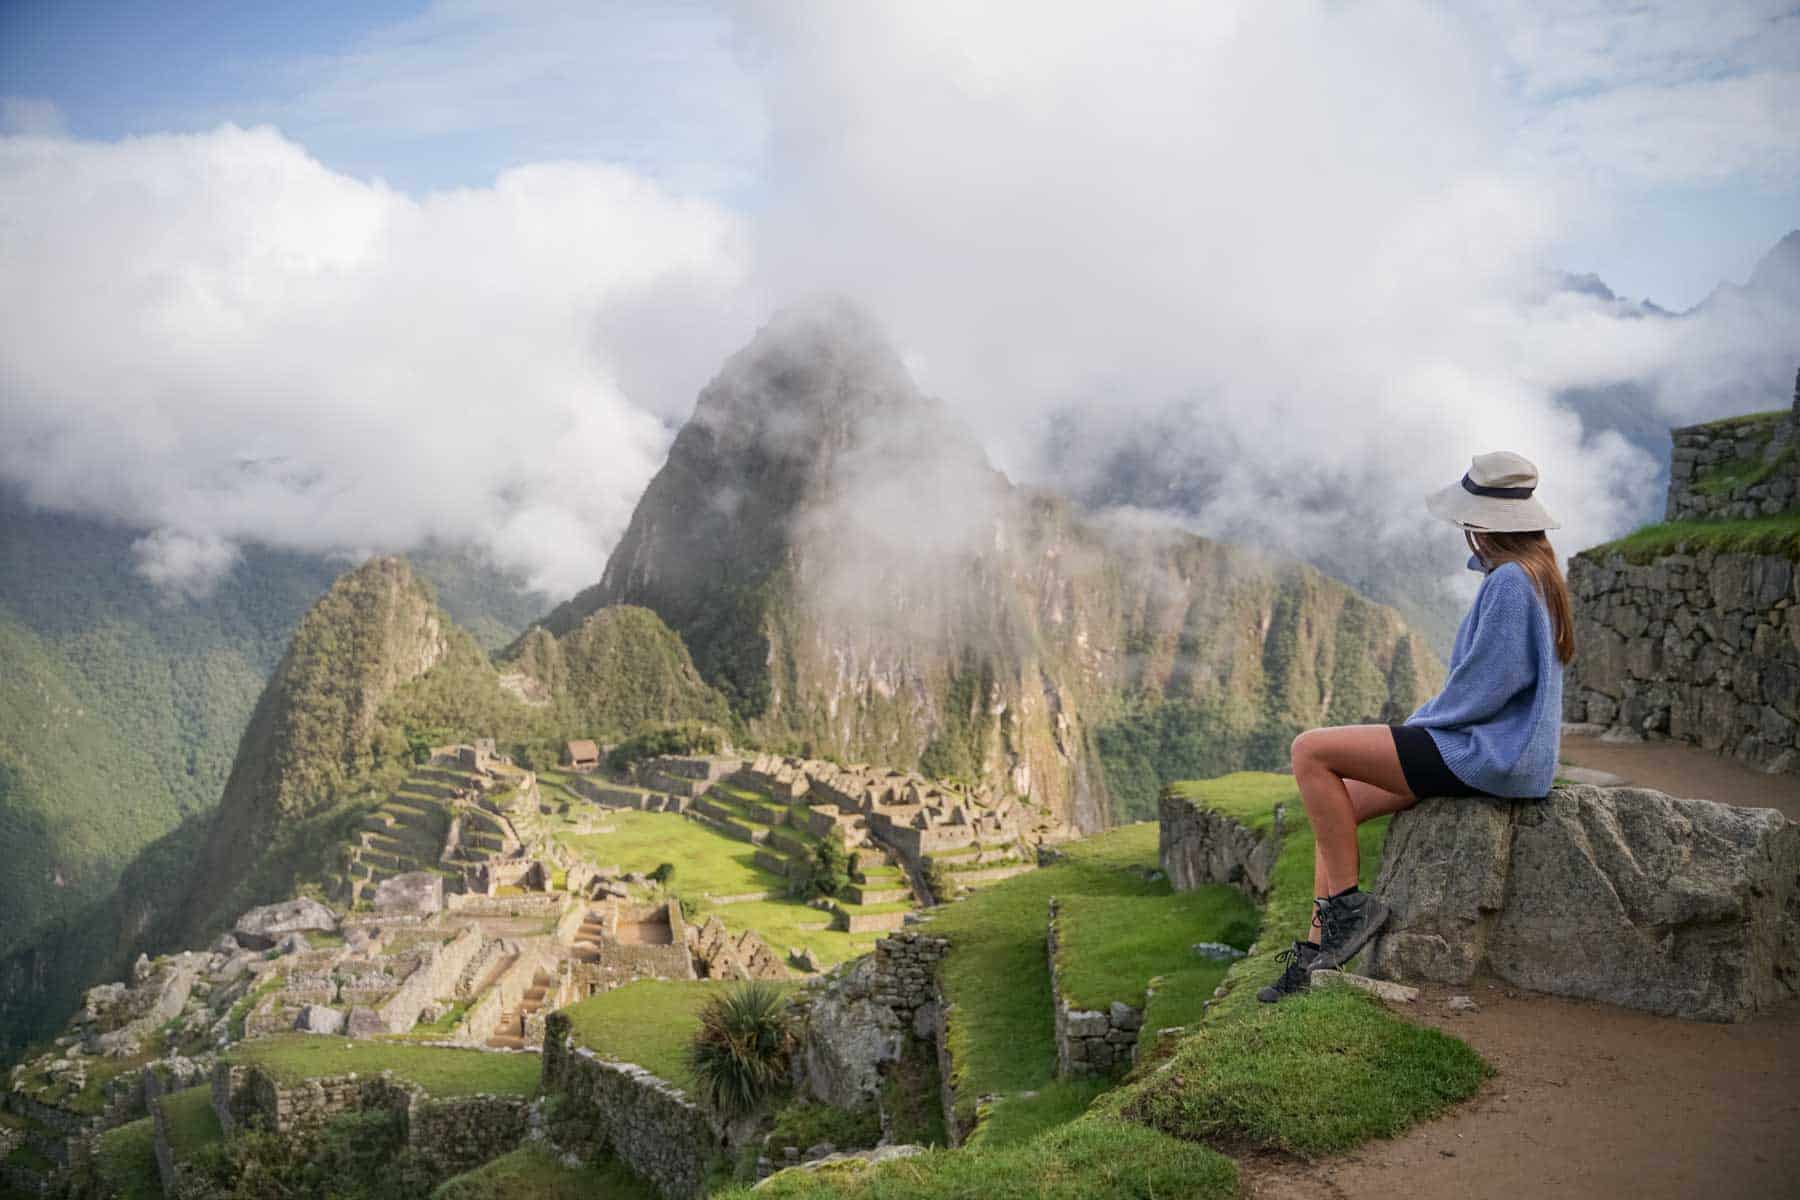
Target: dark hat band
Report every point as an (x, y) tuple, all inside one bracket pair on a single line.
[(1482, 489)]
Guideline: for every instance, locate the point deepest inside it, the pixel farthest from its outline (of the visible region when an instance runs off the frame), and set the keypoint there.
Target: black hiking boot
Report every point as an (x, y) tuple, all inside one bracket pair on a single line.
[(1347, 922), (1297, 977)]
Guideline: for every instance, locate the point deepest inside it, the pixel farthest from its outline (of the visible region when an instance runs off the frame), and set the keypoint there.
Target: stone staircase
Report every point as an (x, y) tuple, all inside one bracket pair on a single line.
[(511, 1032)]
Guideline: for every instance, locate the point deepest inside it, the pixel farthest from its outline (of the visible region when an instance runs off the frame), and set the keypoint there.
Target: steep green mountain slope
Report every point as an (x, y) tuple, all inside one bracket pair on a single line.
[(121, 707), (850, 571)]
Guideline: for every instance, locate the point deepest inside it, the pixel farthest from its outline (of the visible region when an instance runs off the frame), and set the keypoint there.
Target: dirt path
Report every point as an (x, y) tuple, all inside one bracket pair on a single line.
[(1683, 770), (1589, 1101)]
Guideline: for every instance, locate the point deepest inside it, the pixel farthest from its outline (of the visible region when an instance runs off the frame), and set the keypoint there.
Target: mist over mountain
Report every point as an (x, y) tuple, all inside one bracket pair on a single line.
[(1736, 351), (847, 566)]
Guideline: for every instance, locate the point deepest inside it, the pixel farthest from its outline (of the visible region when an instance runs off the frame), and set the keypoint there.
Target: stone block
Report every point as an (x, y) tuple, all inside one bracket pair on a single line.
[(1125, 1017), (416, 893), (1084, 1023), (261, 928), (1394, 993), (1626, 895), (318, 1018)]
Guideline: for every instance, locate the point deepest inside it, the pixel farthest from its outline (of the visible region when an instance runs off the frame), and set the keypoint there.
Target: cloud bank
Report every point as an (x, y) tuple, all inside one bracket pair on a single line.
[(217, 337), (1312, 243)]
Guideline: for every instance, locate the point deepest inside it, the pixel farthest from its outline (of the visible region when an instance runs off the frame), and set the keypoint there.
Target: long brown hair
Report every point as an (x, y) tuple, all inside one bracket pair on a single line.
[(1533, 552)]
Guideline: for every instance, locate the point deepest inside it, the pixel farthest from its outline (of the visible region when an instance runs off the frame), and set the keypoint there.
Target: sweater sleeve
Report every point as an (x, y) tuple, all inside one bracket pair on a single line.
[(1499, 663)]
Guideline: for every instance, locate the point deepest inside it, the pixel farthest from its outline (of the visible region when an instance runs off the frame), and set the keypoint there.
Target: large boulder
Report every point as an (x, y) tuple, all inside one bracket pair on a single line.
[(1682, 907), (848, 1038), (416, 893), (261, 928)]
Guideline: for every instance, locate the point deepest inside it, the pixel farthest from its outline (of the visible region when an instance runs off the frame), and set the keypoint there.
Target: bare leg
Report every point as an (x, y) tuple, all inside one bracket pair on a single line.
[(1347, 775), (1368, 802)]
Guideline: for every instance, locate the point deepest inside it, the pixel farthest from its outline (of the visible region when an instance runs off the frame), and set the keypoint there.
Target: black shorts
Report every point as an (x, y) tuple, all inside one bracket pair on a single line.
[(1424, 767)]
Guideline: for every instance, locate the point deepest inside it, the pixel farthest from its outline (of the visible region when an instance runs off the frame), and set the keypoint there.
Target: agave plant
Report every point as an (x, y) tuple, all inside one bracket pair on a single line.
[(741, 1051)]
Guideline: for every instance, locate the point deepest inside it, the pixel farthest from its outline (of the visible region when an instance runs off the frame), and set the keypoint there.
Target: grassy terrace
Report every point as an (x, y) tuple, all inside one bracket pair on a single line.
[(708, 862), (529, 1173), (997, 974), (125, 1161), (1778, 535), (1253, 1076), (189, 1118), (649, 1022), (441, 1071), (789, 924)]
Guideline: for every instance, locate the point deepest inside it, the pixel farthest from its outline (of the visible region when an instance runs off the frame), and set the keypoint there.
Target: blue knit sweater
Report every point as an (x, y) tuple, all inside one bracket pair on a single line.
[(1498, 719)]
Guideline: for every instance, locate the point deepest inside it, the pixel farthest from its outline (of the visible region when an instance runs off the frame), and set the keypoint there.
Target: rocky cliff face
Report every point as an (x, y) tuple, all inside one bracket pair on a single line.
[(847, 567)]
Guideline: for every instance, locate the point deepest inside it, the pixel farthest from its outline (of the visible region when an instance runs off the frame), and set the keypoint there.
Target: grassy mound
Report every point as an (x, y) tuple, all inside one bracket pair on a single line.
[(1313, 1075), (1094, 1159), (709, 863), (442, 1071), (529, 1173)]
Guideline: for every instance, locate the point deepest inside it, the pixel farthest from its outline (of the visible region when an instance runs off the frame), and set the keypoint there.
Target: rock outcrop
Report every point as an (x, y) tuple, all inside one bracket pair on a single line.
[(261, 928), (1683, 907)]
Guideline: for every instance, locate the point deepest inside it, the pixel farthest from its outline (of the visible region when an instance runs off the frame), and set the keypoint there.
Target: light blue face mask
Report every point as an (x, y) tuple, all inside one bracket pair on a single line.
[(1476, 562)]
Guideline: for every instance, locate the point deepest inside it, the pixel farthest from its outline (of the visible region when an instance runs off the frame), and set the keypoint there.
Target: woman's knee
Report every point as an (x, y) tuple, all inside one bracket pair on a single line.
[(1304, 753)]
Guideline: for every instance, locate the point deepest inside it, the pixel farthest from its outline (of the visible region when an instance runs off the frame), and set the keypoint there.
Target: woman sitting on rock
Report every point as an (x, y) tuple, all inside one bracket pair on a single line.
[(1493, 730)]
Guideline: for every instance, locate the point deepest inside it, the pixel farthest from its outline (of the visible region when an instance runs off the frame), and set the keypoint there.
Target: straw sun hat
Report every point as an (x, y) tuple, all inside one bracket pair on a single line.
[(1495, 495)]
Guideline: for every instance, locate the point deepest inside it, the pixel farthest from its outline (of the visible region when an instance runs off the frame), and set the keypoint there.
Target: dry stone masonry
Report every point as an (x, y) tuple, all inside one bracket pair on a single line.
[(1090, 1041), (1681, 907), (1736, 468), (1701, 648), (1197, 846)]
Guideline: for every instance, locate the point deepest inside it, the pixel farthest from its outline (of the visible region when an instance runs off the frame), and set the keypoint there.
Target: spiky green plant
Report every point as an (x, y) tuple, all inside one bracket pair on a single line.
[(741, 1051)]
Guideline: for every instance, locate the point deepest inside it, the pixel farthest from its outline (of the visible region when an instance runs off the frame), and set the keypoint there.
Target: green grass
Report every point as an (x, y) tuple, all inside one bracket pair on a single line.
[(1247, 797), (1314, 1074), (1726, 478), (782, 923), (125, 1161), (649, 1022), (1019, 1118), (1779, 534), (190, 1121), (997, 974), (1772, 415), (1111, 944), (531, 1173), (804, 1123), (1086, 1160), (441, 1071), (710, 864)]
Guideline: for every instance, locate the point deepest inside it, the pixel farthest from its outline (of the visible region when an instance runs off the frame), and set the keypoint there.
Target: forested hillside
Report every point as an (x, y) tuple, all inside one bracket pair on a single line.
[(121, 707)]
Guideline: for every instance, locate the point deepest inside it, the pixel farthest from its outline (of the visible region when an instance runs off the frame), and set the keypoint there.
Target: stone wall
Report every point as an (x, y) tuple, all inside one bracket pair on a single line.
[(1089, 1041), (1701, 648), (1198, 846), (470, 904), (623, 1110), (1709, 456), (449, 1135), (436, 976)]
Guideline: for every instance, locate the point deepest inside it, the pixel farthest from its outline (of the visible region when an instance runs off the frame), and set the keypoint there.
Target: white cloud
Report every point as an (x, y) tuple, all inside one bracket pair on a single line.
[(218, 337), (1312, 224)]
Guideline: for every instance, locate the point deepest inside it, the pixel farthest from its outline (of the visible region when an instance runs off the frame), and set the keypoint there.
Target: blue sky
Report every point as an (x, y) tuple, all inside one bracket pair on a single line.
[(431, 96)]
